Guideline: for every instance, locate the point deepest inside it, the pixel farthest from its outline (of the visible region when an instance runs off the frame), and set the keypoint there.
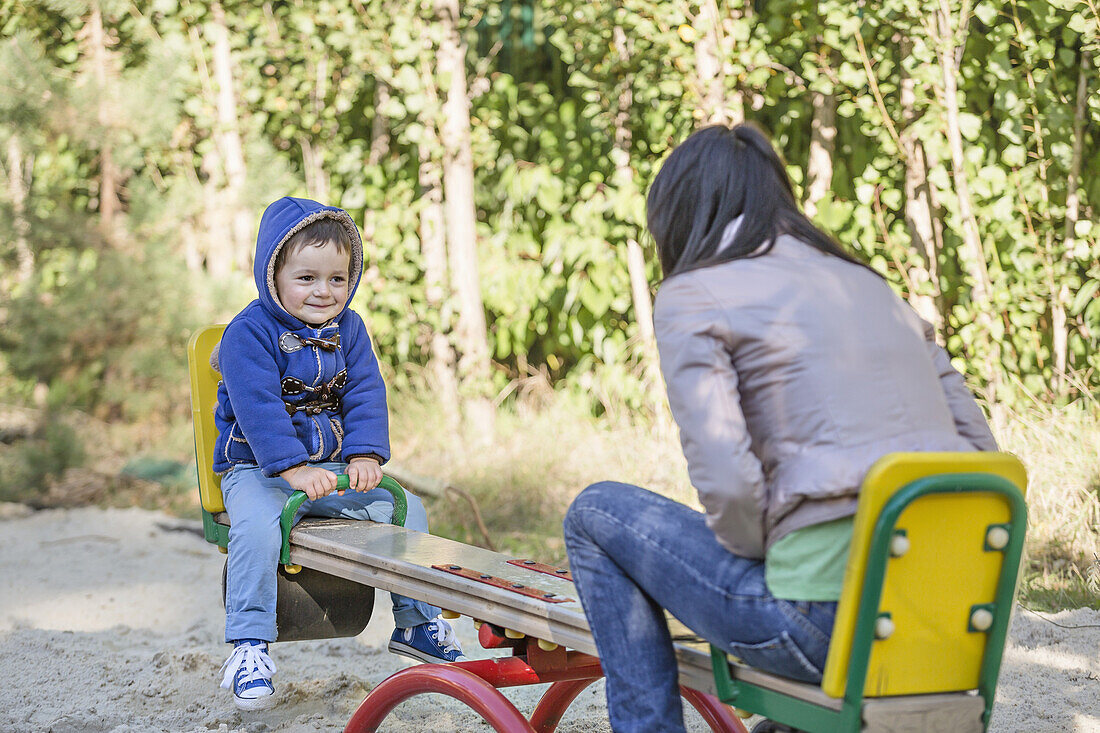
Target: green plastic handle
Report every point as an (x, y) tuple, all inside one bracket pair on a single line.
[(400, 503), (294, 503)]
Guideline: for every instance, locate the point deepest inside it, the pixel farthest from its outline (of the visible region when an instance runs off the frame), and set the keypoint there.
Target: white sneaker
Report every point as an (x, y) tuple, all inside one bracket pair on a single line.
[(248, 673)]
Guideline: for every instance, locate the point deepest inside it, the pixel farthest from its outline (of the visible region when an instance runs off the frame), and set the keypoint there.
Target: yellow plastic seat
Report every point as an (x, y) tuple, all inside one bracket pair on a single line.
[(924, 610), (204, 397)]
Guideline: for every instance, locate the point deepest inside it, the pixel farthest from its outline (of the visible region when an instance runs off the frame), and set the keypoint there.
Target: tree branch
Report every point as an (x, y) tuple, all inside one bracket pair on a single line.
[(878, 94)]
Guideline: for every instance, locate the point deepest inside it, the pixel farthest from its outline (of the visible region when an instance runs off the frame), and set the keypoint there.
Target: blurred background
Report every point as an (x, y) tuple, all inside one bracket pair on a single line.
[(496, 157)]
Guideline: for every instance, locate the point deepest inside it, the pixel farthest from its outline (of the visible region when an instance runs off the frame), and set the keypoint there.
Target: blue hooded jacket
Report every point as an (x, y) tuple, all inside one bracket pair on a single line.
[(340, 416)]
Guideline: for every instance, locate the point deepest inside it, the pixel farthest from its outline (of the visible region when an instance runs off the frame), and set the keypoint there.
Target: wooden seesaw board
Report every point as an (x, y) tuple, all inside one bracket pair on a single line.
[(401, 561)]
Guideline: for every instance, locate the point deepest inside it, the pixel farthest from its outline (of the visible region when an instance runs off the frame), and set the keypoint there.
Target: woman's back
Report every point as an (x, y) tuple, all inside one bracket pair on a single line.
[(811, 366), (791, 368)]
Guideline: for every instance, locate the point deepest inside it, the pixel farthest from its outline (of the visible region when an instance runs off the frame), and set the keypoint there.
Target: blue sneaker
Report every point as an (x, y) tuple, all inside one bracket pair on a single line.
[(431, 642), (248, 673)]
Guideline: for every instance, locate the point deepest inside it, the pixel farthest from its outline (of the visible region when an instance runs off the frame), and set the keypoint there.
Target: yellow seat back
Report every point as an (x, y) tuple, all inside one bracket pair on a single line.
[(204, 398), (930, 590)]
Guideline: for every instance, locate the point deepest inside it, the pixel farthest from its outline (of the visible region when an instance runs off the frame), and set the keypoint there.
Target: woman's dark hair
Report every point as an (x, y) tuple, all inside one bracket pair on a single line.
[(716, 175)]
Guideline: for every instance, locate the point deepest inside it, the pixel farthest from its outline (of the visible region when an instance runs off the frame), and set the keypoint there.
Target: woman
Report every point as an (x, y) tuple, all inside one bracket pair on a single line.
[(790, 368)]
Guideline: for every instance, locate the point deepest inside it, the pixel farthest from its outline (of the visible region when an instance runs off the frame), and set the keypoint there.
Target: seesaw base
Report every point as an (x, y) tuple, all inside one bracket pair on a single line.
[(477, 683)]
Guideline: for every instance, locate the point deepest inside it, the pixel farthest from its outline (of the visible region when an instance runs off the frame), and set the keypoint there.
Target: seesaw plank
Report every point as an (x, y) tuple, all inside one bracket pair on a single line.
[(399, 560)]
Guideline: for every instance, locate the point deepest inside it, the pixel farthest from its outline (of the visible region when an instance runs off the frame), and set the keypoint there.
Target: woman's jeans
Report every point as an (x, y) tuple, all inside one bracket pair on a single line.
[(255, 503), (633, 553)]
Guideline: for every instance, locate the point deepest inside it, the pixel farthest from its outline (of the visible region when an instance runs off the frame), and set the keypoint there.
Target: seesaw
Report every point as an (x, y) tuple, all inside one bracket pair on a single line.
[(917, 645)]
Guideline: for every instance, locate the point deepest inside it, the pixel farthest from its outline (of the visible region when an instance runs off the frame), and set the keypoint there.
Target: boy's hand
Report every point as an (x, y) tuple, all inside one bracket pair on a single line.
[(315, 482), (364, 473)]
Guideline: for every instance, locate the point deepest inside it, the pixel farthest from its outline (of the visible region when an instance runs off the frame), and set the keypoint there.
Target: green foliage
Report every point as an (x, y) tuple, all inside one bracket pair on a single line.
[(573, 107), (104, 332), (27, 468)]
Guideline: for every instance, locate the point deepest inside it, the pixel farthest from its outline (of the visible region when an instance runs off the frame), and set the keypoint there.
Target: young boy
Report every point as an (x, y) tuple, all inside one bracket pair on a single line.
[(301, 397)]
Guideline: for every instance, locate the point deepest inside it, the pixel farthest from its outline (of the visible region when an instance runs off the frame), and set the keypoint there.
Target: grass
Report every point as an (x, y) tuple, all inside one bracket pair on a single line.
[(542, 458), (545, 452), (523, 480), (1061, 449)]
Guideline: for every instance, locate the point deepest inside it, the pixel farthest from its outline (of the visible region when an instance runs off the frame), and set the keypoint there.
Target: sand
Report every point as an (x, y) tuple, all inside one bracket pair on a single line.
[(110, 621)]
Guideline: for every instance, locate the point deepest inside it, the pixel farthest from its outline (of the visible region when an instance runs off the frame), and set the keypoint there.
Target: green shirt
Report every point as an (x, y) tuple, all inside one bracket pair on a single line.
[(808, 564)]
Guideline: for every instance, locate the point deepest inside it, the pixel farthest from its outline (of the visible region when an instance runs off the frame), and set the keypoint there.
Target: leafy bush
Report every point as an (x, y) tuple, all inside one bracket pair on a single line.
[(103, 330), (28, 466)]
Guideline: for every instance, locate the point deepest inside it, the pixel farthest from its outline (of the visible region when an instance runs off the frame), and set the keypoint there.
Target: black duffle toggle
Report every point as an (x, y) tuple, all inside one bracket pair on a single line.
[(329, 344), (291, 342), (325, 396)]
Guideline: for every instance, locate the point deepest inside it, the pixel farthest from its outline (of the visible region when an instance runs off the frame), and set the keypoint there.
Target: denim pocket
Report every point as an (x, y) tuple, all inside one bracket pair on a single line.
[(779, 656), (813, 620)]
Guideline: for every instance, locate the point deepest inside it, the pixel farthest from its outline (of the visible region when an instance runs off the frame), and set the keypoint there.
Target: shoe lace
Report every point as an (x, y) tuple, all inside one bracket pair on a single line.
[(445, 636), (250, 660)]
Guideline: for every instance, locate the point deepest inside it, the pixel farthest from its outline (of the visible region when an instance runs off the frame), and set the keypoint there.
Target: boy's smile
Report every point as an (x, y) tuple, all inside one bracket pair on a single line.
[(312, 284)]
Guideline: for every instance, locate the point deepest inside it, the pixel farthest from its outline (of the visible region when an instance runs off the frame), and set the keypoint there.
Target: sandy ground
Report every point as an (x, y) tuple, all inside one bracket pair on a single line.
[(110, 621)]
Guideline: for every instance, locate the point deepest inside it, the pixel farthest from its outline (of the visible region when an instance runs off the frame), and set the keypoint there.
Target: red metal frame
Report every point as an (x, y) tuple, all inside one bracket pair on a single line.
[(554, 702), (446, 679), (541, 567), (717, 715), (476, 683)]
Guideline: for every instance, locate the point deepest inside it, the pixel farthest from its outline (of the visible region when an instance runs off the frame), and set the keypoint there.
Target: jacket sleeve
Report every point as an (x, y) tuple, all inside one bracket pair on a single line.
[(969, 420), (252, 381), (703, 394), (365, 414)]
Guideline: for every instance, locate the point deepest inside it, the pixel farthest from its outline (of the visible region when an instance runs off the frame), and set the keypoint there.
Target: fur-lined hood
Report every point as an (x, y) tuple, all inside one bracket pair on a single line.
[(281, 220)]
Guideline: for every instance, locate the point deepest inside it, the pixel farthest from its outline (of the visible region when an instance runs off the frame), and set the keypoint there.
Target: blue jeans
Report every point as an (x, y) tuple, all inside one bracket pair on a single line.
[(634, 553), (255, 503)]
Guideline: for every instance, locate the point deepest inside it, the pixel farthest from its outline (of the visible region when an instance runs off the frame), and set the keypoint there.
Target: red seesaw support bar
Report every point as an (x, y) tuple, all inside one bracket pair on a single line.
[(446, 679), (475, 683), (515, 671)]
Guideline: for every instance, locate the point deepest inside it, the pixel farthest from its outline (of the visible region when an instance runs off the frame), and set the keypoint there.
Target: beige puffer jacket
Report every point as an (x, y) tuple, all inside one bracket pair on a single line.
[(789, 375)]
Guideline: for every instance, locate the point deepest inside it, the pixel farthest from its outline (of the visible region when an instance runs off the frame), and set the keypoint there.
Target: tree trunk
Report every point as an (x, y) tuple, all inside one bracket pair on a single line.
[(192, 229), (1060, 335), (18, 175), (203, 241), (99, 55), (712, 47), (975, 260), (433, 247), (379, 131), (819, 166), (635, 259), (228, 138), (220, 259), (919, 209), (313, 159), (191, 246), (314, 169), (708, 66), (461, 219)]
